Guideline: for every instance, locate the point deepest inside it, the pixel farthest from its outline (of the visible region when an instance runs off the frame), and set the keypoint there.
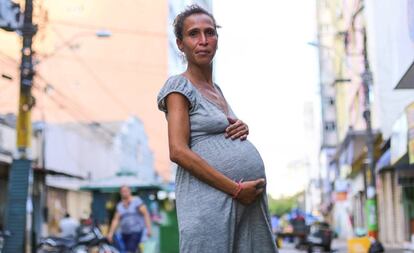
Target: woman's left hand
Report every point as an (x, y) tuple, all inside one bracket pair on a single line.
[(237, 129)]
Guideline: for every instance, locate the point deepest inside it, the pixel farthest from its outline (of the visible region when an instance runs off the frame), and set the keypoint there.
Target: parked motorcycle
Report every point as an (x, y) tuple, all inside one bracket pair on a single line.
[(88, 237)]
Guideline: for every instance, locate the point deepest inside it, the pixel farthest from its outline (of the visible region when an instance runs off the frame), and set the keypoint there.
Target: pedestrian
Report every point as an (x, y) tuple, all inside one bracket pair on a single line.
[(68, 226), (220, 182), (132, 217)]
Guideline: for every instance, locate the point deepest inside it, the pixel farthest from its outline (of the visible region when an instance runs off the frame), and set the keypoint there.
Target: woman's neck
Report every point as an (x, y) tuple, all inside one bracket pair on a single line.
[(200, 75)]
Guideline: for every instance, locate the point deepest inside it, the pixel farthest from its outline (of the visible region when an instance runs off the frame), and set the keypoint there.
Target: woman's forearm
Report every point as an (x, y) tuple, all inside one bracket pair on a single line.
[(199, 168), (148, 222), (114, 225)]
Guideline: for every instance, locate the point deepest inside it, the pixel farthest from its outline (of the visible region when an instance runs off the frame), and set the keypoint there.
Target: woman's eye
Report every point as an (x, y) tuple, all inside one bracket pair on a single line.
[(192, 33), (211, 32)]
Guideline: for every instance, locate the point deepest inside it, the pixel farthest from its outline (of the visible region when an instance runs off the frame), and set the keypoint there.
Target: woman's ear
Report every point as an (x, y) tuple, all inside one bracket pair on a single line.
[(179, 44)]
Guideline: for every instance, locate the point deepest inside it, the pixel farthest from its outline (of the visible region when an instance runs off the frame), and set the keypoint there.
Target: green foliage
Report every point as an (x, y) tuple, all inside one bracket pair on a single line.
[(282, 205)]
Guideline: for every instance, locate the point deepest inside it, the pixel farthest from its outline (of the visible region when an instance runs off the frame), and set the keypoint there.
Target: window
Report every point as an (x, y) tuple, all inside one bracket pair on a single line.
[(330, 126)]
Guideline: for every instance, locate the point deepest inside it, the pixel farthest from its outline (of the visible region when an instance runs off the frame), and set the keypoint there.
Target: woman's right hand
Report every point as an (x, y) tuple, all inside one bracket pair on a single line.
[(110, 237), (250, 191)]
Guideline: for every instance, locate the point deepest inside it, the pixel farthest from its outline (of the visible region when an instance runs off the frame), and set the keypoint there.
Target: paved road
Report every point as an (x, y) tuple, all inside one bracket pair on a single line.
[(337, 247)]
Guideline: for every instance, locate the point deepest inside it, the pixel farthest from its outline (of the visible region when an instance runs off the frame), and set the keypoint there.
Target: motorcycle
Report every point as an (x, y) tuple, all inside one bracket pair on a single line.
[(88, 237)]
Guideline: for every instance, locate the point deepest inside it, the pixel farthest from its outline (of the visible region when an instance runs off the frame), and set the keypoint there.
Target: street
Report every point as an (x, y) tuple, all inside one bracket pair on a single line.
[(337, 247)]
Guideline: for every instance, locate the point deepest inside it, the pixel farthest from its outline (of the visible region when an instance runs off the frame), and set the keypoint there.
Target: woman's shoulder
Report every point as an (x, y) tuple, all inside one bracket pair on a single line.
[(176, 81), (177, 84)]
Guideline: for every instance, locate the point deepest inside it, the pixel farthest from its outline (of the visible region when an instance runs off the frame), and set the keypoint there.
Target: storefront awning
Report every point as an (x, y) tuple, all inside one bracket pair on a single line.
[(112, 184), (353, 146), (51, 172), (384, 162), (405, 171), (407, 81)]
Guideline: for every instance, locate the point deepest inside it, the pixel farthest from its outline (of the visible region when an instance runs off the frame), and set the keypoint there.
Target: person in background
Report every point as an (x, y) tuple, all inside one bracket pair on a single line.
[(275, 223), (68, 226), (132, 217)]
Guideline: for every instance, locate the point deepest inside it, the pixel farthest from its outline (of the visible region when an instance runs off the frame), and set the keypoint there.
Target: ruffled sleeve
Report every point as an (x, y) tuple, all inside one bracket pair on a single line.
[(177, 84)]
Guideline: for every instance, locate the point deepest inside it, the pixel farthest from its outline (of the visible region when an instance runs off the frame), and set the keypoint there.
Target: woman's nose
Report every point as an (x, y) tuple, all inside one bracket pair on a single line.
[(203, 39)]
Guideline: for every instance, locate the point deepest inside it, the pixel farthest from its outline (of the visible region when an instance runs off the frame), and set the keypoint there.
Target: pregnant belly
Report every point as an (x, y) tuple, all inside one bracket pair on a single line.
[(235, 159)]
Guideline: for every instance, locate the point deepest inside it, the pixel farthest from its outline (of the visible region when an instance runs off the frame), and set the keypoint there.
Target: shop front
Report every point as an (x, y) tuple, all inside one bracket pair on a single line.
[(7, 140), (402, 160)]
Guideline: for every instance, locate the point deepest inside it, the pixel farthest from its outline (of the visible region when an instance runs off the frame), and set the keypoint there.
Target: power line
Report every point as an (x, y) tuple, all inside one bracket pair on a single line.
[(97, 79), (72, 114), (9, 58), (112, 60), (114, 29), (63, 106)]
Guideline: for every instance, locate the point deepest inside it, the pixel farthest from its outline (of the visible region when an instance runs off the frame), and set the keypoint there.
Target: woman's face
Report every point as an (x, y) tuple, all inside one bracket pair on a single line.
[(199, 42)]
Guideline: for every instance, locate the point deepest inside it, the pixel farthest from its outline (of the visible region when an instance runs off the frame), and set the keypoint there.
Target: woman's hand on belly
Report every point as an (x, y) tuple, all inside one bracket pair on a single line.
[(237, 129), (251, 190)]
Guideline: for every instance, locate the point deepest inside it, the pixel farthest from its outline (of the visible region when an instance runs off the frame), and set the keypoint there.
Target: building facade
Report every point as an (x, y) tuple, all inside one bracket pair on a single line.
[(382, 30), (341, 31)]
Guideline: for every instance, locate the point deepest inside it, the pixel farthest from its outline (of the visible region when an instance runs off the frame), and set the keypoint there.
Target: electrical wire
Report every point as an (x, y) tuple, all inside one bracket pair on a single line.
[(63, 108), (75, 112), (79, 108), (113, 29), (9, 58), (97, 79)]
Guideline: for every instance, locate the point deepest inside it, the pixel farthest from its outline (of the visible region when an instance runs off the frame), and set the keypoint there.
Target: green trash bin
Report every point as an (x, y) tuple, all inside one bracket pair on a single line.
[(169, 241)]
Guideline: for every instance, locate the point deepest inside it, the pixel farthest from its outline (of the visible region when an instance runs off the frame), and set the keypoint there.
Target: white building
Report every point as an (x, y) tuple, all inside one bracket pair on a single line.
[(390, 28)]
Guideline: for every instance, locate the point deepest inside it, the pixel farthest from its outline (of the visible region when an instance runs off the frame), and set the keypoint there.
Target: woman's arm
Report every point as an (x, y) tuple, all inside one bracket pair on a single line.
[(180, 153), (144, 211), (114, 225)]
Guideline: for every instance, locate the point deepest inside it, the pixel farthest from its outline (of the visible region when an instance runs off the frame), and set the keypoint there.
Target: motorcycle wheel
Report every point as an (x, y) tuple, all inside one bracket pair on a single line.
[(47, 249), (80, 249), (105, 248)]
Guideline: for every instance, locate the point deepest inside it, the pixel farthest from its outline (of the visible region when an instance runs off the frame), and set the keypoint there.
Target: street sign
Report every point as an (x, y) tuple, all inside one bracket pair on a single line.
[(10, 16)]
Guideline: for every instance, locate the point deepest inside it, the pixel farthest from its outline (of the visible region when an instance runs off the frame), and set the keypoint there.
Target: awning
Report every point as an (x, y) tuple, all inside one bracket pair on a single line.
[(407, 81), (112, 184), (5, 156), (405, 171), (353, 145), (51, 172), (384, 162)]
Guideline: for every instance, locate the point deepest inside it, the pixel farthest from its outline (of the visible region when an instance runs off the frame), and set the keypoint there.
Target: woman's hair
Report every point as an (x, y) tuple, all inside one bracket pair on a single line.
[(190, 10)]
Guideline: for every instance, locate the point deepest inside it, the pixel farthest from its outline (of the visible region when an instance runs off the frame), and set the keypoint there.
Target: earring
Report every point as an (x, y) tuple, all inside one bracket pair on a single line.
[(183, 58)]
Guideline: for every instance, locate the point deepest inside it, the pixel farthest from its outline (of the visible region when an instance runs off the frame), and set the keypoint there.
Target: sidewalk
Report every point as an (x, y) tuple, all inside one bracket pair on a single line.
[(396, 250), (340, 246)]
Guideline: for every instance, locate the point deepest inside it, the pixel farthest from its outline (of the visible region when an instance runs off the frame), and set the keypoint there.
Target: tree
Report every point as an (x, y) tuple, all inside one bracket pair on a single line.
[(282, 205)]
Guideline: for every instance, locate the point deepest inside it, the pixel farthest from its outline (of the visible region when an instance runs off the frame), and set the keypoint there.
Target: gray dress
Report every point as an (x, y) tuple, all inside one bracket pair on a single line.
[(209, 220)]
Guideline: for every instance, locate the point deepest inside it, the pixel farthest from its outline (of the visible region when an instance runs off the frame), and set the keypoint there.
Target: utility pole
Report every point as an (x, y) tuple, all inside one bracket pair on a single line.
[(21, 174), (369, 170)]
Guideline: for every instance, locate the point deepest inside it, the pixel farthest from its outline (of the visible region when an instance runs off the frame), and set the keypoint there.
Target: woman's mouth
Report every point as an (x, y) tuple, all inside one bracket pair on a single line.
[(202, 53)]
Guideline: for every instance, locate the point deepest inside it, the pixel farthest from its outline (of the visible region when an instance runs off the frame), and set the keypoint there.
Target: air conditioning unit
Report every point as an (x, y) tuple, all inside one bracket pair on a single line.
[(11, 18)]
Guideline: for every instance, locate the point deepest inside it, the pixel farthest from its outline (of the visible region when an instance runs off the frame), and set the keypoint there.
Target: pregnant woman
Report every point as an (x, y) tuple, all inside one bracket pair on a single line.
[(220, 181)]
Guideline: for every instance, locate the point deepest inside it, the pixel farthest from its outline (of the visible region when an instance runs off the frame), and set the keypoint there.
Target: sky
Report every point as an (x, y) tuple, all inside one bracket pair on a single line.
[(269, 75)]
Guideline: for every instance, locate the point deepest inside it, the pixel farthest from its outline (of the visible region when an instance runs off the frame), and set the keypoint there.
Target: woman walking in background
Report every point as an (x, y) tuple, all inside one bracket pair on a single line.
[(220, 182)]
